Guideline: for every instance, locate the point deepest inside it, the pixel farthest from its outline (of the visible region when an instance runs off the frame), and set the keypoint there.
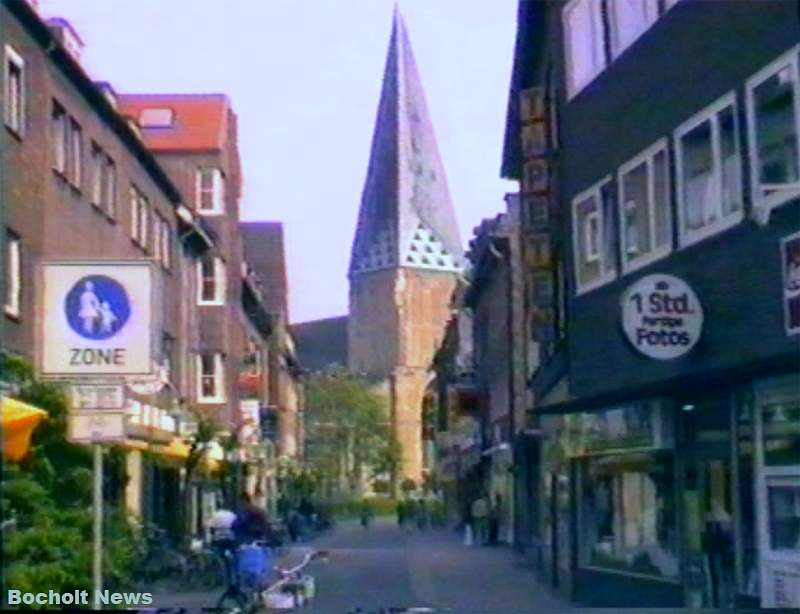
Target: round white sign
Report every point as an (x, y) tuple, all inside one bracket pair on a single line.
[(661, 316)]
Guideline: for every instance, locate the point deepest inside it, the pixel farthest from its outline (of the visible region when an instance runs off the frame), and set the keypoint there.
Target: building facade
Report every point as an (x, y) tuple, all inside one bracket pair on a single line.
[(86, 178), (666, 391)]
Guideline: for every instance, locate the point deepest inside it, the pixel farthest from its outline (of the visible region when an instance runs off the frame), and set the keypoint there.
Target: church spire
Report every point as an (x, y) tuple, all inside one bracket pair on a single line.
[(406, 218)]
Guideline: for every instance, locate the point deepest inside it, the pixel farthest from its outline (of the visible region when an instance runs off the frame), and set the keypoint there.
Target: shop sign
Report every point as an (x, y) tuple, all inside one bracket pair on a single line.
[(97, 318), (661, 316), (98, 396), (96, 426)]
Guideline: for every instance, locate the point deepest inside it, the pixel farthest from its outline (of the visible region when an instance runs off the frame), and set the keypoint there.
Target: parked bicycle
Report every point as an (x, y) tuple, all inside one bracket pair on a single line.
[(157, 559)]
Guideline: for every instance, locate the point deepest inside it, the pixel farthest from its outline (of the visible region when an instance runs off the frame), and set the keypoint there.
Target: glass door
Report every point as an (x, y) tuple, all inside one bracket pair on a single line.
[(778, 491)]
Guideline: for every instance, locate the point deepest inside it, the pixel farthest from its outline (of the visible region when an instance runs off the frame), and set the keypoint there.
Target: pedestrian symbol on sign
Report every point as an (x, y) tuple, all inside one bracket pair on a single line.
[(97, 307)]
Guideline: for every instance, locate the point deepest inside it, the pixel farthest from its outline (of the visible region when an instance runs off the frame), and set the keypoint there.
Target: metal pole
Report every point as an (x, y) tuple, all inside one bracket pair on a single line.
[(98, 524)]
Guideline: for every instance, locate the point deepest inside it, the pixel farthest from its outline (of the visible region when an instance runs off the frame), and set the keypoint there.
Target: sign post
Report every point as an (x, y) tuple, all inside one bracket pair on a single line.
[(97, 507), (98, 329)]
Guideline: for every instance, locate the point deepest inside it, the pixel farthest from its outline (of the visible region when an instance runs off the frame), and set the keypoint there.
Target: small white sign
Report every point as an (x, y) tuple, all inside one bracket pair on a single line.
[(97, 318), (96, 426), (661, 316), (98, 396)]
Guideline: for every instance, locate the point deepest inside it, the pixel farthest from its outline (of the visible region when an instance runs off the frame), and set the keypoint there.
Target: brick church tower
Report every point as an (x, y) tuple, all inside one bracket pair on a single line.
[(406, 255)]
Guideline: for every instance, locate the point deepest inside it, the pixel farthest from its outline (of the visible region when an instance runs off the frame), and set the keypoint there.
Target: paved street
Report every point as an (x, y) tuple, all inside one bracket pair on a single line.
[(386, 567)]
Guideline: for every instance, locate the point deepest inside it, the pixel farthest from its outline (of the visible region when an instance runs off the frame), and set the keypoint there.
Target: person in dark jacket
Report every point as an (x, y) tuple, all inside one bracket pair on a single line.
[(251, 522)]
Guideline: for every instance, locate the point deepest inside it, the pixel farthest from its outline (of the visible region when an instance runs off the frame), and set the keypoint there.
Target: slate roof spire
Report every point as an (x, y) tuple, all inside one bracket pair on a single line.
[(406, 218)]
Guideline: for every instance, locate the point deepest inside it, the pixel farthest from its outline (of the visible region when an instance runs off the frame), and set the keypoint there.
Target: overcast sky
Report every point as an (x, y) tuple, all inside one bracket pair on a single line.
[(304, 77)]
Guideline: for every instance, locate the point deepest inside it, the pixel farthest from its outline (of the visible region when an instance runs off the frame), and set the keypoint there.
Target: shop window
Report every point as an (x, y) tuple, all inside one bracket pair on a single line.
[(14, 91), (773, 114), (783, 498), (593, 237), (781, 433), (628, 20), (709, 172), (628, 518), (645, 218)]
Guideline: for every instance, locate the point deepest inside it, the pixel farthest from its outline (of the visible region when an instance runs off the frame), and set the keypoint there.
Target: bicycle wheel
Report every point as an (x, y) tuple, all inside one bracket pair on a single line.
[(234, 603)]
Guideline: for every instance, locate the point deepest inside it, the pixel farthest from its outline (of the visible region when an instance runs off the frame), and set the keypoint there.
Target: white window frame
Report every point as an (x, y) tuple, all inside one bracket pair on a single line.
[(217, 191), (764, 205), (59, 125), (617, 46), (13, 282), (656, 253), (573, 88), (14, 115), (97, 169), (109, 186), (595, 191), (219, 379), (166, 244), (75, 153), (219, 282), (689, 237)]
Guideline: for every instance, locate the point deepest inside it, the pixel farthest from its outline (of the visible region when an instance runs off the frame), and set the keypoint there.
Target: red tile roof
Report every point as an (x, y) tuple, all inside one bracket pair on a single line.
[(199, 120)]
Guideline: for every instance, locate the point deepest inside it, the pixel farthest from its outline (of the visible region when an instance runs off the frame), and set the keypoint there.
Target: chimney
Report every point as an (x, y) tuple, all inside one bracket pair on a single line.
[(66, 35)]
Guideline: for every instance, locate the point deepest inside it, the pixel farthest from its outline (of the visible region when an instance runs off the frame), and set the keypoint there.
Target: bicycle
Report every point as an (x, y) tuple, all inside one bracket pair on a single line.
[(204, 567), (157, 560)]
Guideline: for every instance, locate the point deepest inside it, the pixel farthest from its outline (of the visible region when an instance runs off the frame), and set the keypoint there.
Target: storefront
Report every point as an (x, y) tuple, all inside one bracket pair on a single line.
[(680, 501)]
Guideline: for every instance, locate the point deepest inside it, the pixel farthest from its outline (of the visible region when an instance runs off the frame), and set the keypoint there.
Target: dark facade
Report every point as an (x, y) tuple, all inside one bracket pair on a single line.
[(667, 460)]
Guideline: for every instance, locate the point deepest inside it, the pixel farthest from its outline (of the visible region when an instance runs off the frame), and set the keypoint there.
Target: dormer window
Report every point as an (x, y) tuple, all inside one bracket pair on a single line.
[(156, 118), (210, 191)]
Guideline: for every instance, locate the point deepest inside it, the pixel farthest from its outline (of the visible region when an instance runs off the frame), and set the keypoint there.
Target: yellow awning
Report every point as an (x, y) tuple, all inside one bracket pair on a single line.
[(19, 422), (176, 449)]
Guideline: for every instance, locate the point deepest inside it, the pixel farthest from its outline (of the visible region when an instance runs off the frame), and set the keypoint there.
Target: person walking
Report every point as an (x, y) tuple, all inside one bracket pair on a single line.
[(366, 513), (480, 512), (494, 520)]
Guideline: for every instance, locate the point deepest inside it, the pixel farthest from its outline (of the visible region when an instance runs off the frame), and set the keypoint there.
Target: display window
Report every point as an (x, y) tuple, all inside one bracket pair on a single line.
[(627, 514)]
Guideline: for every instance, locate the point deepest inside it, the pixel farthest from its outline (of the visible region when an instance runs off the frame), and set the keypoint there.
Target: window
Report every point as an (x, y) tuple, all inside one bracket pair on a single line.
[(60, 136), (709, 172), (210, 191), (773, 115), (593, 237), (156, 118), (584, 38), (140, 215), (75, 154), (104, 181), (628, 20), (162, 244), (251, 361), (645, 223), (627, 514), (211, 281), (13, 275), (210, 378), (14, 91)]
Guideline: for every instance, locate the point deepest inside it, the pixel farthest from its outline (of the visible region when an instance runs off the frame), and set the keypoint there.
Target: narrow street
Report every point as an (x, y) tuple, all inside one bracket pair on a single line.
[(384, 567)]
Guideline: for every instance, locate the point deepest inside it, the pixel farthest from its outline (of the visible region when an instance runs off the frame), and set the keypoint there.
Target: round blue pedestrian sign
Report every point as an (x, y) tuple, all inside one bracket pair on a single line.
[(97, 307)]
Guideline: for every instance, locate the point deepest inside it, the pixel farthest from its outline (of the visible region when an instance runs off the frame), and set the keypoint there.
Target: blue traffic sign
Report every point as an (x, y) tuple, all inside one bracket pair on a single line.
[(97, 307)]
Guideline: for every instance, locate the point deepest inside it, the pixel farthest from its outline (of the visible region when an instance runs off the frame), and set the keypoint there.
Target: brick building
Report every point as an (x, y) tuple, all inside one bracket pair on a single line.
[(90, 175)]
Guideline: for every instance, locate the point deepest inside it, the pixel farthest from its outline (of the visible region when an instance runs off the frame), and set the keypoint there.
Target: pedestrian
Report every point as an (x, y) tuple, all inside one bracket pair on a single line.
[(401, 512), (479, 515), (422, 515), (468, 524), (494, 520), (366, 513), (411, 514)]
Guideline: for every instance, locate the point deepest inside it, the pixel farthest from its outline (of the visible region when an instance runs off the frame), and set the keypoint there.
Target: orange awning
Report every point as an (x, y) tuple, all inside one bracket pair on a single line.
[(19, 422)]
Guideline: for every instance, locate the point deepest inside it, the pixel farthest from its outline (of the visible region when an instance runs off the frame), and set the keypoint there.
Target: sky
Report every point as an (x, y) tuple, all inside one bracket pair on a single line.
[(304, 77)]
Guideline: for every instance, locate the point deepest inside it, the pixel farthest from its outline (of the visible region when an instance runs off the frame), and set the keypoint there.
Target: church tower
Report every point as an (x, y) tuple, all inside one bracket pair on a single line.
[(406, 255)]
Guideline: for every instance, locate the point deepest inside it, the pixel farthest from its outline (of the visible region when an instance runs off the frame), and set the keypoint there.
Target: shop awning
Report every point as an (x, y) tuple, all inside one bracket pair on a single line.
[(176, 449), (19, 422)]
